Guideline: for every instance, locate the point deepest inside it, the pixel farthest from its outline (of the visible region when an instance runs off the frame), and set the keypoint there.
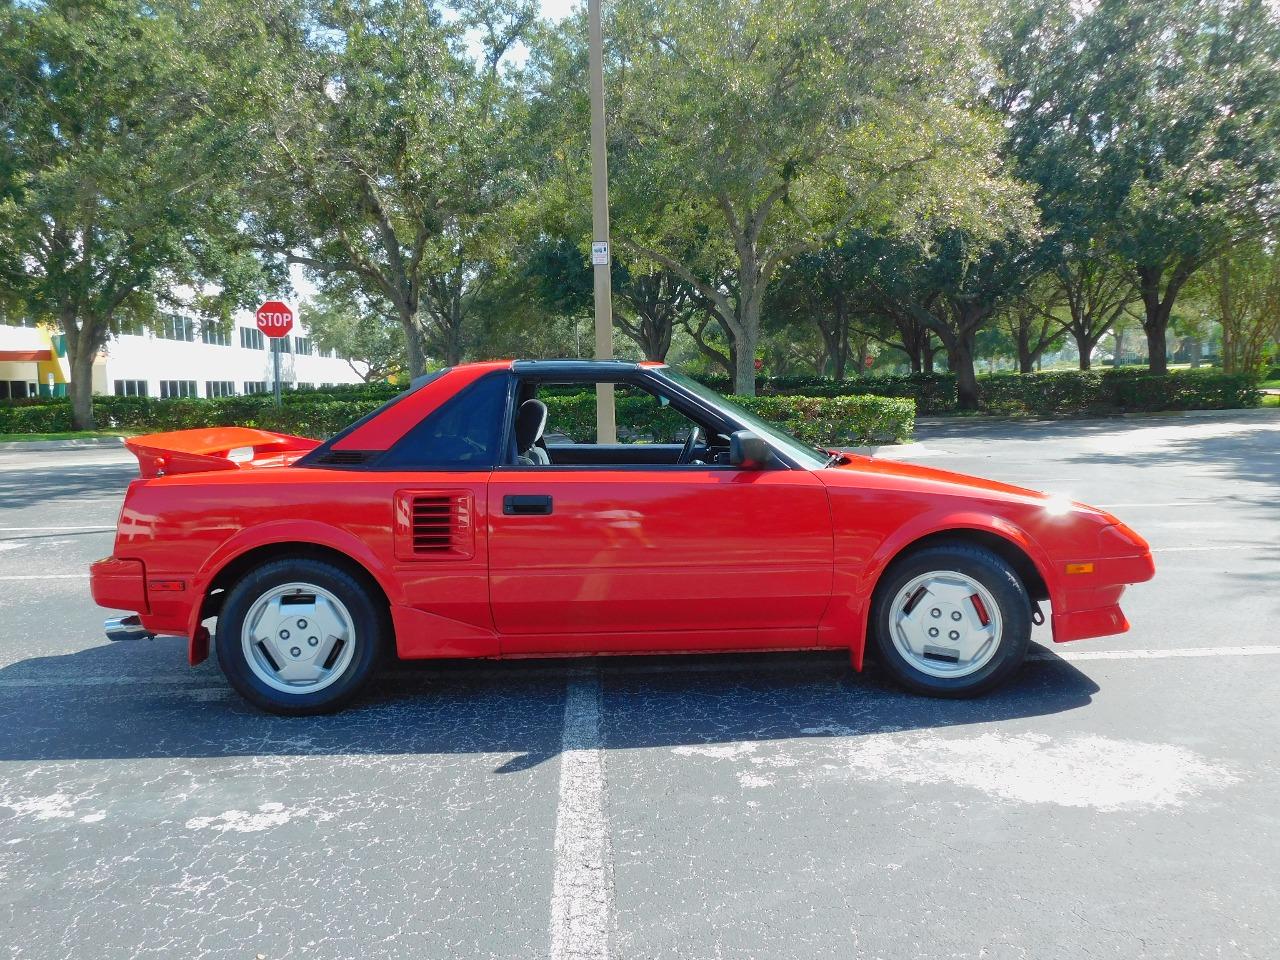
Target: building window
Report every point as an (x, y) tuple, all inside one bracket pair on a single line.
[(131, 328), (172, 389), (174, 327), (255, 386), (251, 338), (284, 344), (302, 346), (212, 334), (16, 389), (219, 388), (131, 388)]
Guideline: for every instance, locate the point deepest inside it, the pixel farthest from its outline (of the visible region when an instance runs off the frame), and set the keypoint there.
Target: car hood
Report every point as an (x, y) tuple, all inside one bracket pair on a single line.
[(861, 470)]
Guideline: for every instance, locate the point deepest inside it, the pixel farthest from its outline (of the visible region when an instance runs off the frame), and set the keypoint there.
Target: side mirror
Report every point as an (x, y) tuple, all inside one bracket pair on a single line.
[(748, 451)]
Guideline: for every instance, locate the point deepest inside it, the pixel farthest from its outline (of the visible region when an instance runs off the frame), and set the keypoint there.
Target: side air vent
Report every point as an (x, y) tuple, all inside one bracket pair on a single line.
[(434, 525), (344, 458)]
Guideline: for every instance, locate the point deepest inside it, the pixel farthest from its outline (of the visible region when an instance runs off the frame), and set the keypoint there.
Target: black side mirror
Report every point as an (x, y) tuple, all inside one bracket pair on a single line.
[(748, 451)]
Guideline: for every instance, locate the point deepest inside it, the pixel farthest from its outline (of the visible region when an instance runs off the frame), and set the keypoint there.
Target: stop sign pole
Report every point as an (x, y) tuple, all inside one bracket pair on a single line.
[(275, 320)]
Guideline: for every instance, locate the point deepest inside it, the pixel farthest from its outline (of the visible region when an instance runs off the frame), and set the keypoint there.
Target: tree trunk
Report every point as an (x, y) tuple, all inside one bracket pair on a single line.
[(746, 335), (744, 370), (1156, 319), (81, 349), (1157, 356), (81, 387), (960, 357), (417, 361), (1085, 349), (1195, 349)]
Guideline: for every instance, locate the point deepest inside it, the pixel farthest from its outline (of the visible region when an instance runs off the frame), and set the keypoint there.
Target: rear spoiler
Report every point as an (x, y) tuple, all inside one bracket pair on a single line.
[(215, 448)]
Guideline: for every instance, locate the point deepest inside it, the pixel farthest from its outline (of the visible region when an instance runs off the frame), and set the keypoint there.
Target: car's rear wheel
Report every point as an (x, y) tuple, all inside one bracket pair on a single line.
[(951, 620), (300, 636)]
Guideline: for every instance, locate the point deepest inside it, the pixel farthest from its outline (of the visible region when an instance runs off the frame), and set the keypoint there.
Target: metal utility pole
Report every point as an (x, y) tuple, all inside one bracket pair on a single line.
[(275, 363), (606, 425)]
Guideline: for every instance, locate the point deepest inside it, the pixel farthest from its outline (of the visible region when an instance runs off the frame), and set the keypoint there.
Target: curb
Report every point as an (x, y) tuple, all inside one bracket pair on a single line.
[(76, 443)]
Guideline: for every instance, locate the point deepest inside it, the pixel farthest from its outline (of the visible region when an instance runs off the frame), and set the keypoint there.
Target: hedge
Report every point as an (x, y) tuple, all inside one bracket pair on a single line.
[(1058, 392), (825, 421), (832, 421)]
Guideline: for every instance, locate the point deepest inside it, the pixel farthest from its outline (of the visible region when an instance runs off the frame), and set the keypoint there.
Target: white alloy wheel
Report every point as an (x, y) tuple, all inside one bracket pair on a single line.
[(945, 624), (298, 638)]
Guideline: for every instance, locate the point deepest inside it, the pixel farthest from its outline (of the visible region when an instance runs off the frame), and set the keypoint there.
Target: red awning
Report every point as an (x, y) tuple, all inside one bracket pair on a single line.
[(28, 356)]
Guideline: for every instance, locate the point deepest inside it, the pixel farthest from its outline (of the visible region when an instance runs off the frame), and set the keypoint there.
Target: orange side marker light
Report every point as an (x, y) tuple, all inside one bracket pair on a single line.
[(1079, 568)]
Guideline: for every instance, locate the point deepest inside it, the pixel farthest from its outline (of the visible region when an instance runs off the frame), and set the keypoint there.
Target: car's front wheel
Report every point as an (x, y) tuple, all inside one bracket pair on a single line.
[(299, 636), (951, 620)]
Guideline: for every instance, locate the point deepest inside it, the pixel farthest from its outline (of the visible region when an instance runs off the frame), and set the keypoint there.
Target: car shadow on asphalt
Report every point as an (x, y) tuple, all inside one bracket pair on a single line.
[(108, 703)]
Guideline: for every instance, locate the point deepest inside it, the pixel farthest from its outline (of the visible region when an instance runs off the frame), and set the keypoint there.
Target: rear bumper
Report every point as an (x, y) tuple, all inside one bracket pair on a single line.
[(119, 584), (163, 605)]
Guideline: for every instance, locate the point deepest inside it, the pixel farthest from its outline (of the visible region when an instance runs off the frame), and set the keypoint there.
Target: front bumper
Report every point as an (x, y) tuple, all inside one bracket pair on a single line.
[(1089, 605)]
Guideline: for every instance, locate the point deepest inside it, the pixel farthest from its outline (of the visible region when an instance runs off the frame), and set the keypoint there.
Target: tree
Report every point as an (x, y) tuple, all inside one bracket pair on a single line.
[(1093, 292), (120, 159), (1172, 103), (1244, 283), (750, 131), (393, 156), (829, 289), (369, 340), (1030, 328)]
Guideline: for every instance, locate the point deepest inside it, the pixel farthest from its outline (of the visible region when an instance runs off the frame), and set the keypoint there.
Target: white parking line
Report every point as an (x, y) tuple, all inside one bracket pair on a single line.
[(1168, 503), (47, 576), (582, 887), (1261, 650), (81, 526), (1209, 549)]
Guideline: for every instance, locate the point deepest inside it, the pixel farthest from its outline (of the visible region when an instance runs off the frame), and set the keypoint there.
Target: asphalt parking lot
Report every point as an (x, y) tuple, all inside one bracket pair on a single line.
[(1120, 798)]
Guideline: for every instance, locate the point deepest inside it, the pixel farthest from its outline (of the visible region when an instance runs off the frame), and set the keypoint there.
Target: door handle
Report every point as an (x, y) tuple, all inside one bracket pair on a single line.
[(526, 505)]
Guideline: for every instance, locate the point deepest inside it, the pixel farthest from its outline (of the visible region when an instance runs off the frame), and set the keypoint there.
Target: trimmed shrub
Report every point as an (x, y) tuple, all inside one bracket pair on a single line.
[(827, 421), (833, 421), (1056, 392)]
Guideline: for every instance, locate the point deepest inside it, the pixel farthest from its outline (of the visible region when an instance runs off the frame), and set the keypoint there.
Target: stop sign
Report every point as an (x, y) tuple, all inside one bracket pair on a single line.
[(275, 318)]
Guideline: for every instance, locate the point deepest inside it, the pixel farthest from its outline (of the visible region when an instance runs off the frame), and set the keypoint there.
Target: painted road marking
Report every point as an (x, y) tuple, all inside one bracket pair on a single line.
[(82, 526), (1261, 650), (582, 887), (1168, 503), (47, 576), (1218, 547)]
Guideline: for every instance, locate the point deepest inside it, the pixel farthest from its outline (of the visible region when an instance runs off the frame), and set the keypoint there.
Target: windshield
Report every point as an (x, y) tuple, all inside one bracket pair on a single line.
[(780, 440)]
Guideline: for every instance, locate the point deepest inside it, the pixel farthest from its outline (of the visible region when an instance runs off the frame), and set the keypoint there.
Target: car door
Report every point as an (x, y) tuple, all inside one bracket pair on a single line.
[(650, 556)]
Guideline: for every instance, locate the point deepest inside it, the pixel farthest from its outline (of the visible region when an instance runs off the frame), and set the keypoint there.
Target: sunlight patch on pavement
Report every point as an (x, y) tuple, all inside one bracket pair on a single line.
[(268, 815), (1091, 772), (1101, 773)]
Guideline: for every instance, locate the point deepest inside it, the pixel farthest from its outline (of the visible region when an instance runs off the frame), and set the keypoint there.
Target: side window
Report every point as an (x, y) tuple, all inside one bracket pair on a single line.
[(641, 417), (465, 432)]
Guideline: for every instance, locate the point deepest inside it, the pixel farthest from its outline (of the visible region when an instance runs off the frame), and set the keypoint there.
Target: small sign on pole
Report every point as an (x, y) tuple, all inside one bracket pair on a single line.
[(600, 253), (275, 320)]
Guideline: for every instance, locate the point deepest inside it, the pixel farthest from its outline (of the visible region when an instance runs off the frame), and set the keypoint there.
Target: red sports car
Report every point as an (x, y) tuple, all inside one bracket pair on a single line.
[(456, 522)]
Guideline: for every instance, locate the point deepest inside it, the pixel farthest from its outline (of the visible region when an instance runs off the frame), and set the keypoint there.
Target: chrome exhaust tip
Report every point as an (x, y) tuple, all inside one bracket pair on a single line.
[(126, 628)]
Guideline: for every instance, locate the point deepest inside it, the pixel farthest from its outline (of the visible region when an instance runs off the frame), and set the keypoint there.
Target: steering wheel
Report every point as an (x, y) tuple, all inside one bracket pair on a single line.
[(686, 452)]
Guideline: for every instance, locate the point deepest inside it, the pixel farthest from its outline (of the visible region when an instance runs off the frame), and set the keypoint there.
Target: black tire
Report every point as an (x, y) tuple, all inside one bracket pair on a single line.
[(990, 570), (368, 616)]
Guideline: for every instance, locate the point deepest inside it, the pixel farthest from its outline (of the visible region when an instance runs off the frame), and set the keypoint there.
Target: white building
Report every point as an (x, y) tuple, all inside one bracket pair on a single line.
[(182, 358)]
